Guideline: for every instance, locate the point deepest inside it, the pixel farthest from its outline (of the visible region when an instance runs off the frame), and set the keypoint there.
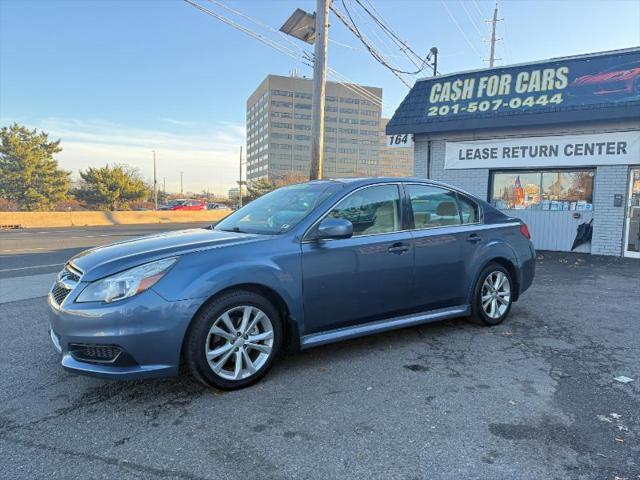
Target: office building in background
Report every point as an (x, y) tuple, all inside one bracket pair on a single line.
[(279, 129)]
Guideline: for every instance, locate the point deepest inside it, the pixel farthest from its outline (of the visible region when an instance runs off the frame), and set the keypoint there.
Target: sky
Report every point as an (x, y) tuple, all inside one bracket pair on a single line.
[(116, 79)]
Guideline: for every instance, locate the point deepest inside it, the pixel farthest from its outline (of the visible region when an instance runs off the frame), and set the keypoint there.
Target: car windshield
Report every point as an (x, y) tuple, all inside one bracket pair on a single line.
[(280, 210)]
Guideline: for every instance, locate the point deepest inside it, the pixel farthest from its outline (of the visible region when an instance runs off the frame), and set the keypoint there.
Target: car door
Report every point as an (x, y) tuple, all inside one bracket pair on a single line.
[(441, 247), (367, 276)]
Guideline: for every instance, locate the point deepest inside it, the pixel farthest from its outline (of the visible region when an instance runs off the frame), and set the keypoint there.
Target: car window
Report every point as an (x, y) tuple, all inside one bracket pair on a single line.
[(433, 206), (280, 210), (371, 210), (468, 210)]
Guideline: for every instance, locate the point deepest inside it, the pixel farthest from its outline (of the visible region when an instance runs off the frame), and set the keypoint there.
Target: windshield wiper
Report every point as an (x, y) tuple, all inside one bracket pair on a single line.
[(233, 229)]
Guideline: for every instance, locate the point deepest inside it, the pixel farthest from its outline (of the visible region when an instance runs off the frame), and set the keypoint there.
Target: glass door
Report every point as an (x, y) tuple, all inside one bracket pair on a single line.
[(632, 243)]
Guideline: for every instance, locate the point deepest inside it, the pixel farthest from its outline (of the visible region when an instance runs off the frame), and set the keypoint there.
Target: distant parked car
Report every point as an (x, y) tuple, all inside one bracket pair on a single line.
[(621, 79), (299, 267), (183, 204), (216, 206)]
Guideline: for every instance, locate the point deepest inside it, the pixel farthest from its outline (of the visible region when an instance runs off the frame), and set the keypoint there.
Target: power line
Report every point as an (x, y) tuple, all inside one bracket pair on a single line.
[(386, 28), (387, 45), (261, 38), (478, 9), (402, 44), (304, 57), (464, 35), (349, 24), (258, 22), (471, 19)]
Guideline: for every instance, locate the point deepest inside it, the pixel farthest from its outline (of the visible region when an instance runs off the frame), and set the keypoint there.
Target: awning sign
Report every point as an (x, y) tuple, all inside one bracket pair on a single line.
[(564, 90), (616, 148)]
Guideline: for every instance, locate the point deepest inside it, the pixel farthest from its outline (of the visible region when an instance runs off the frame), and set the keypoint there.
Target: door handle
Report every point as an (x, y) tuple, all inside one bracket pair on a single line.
[(474, 238), (398, 248)]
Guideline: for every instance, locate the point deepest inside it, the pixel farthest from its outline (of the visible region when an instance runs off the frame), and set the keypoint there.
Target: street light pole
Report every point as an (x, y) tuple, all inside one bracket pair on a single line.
[(434, 55), (181, 188), (319, 87), (155, 182)]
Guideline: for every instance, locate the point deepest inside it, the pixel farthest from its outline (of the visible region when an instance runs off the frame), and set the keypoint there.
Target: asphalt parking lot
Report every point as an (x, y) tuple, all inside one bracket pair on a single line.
[(534, 398)]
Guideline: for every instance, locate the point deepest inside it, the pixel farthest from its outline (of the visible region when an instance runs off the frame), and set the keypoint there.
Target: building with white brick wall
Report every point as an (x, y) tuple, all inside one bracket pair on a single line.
[(554, 143)]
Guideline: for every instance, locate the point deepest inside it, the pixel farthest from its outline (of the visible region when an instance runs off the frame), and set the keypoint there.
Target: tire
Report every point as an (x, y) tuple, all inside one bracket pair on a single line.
[(232, 342), (488, 305)]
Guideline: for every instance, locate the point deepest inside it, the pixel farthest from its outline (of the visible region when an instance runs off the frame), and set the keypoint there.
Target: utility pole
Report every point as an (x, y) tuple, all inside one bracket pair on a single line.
[(314, 29), (181, 178), (319, 87), (240, 181), (494, 22), (164, 186), (155, 182)]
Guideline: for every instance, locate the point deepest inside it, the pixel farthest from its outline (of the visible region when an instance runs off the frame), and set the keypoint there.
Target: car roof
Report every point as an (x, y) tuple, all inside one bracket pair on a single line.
[(374, 180)]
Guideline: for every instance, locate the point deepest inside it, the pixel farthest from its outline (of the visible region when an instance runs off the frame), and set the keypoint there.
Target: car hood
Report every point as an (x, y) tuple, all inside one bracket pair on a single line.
[(106, 260)]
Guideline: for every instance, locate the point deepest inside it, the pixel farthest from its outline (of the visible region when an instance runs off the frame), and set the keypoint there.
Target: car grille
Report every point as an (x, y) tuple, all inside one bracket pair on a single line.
[(59, 293), (94, 352), (66, 281), (71, 273)]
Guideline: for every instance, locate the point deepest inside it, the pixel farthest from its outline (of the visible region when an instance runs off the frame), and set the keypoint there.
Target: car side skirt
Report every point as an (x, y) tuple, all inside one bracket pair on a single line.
[(378, 326)]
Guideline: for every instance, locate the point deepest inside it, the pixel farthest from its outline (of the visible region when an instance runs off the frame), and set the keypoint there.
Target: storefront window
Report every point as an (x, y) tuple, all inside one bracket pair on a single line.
[(567, 190), (517, 190), (543, 190)]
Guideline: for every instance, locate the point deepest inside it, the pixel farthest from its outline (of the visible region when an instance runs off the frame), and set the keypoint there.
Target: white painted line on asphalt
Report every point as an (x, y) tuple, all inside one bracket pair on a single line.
[(23, 250), (24, 288), (31, 267)]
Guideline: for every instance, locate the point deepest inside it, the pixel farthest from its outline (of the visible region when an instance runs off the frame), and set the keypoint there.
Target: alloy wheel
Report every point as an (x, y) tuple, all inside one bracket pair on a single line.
[(496, 294), (239, 342)]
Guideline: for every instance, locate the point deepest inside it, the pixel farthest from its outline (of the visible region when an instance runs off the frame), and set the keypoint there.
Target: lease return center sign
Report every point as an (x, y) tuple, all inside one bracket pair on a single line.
[(617, 148)]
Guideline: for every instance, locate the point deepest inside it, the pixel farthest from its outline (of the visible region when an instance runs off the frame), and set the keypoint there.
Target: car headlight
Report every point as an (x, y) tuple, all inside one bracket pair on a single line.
[(126, 284)]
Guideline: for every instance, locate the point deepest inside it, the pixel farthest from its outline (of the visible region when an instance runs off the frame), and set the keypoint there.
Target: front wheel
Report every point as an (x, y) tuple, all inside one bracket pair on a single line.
[(233, 340), (492, 297)]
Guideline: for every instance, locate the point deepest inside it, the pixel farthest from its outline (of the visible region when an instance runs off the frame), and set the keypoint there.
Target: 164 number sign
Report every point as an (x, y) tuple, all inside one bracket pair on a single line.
[(400, 140)]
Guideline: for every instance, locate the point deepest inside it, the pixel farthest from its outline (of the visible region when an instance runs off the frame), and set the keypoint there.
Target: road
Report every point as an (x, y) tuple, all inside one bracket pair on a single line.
[(534, 398), (30, 258)]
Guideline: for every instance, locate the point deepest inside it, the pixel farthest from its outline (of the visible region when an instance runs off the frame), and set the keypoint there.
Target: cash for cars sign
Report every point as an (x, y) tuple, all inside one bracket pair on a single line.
[(586, 88), (617, 148)]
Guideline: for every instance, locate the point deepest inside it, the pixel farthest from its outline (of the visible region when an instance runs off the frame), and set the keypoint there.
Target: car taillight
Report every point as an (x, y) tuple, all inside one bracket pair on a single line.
[(524, 230)]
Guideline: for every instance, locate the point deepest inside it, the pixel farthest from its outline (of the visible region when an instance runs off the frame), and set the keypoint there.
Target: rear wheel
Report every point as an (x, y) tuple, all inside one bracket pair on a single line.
[(492, 296), (234, 340)]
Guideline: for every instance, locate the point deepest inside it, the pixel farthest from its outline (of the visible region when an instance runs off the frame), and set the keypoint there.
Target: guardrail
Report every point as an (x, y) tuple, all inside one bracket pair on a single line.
[(84, 218)]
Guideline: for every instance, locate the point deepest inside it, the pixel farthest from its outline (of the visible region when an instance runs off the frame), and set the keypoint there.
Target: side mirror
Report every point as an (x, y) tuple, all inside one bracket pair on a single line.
[(334, 228)]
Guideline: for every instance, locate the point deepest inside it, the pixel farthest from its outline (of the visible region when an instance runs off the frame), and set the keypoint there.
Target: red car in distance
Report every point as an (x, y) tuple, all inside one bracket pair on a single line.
[(622, 79), (182, 204)]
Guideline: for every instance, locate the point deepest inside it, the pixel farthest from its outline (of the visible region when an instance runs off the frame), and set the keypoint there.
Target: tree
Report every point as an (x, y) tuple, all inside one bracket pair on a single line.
[(111, 187), (29, 175), (257, 188), (291, 178)]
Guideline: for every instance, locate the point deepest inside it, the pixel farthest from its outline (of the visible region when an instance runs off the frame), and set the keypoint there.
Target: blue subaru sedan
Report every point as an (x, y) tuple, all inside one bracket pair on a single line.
[(302, 266)]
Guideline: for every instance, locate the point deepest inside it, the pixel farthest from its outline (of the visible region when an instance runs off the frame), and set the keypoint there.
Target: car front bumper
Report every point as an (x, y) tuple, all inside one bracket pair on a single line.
[(144, 333)]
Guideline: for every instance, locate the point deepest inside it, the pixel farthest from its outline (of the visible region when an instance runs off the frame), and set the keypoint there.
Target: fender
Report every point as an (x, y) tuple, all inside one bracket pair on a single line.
[(490, 250), (202, 275)]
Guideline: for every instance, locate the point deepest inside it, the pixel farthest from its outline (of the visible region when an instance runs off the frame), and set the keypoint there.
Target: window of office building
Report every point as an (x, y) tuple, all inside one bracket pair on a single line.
[(281, 93), (278, 103)]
